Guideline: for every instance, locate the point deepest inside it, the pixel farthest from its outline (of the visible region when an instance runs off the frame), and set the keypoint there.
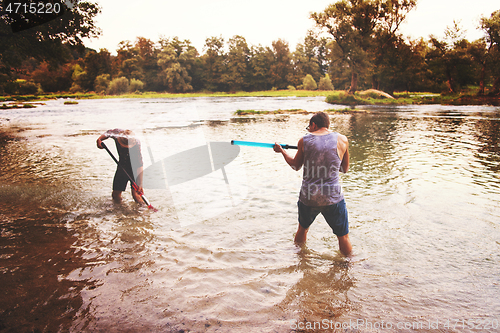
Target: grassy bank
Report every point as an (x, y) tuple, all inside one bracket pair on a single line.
[(407, 98), (269, 93), (17, 106), (342, 98), (332, 97), (45, 97), (295, 111)]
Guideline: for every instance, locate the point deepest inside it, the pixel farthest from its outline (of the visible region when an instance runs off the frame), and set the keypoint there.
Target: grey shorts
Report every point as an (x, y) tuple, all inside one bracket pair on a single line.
[(335, 215)]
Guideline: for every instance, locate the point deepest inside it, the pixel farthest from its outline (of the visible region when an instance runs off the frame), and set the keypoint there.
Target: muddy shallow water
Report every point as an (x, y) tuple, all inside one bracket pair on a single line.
[(423, 195)]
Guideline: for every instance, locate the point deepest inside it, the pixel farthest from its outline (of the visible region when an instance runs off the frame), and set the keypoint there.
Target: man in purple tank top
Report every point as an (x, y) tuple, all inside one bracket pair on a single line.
[(323, 154)]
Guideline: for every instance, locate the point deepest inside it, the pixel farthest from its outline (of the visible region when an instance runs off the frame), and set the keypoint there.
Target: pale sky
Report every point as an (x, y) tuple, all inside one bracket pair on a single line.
[(260, 21)]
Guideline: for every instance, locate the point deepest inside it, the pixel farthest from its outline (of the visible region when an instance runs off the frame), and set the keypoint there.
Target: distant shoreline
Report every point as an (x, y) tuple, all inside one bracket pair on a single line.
[(336, 97)]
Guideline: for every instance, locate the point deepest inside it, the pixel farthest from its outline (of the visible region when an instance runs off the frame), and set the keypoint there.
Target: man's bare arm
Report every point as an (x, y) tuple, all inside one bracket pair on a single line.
[(295, 162), (343, 152)]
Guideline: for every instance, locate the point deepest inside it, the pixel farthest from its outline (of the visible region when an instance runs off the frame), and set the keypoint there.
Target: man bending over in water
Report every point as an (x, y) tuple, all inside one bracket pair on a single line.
[(323, 154), (130, 159)]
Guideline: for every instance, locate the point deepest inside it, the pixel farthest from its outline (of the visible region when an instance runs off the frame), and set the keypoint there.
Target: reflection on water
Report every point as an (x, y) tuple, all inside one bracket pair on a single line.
[(322, 291), (36, 255), (422, 194)]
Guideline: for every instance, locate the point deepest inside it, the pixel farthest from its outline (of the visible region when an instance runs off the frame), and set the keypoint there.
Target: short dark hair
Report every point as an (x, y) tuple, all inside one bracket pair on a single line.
[(321, 119)]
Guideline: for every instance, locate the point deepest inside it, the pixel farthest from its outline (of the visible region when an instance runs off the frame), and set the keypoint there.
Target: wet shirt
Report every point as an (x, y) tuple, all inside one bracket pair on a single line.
[(129, 158), (321, 181)]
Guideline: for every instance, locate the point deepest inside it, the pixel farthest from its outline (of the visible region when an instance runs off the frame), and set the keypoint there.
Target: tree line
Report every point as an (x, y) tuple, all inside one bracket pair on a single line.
[(357, 45)]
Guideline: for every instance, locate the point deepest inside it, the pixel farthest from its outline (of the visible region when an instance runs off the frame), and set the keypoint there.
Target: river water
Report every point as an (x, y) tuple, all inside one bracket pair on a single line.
[(423, 195)]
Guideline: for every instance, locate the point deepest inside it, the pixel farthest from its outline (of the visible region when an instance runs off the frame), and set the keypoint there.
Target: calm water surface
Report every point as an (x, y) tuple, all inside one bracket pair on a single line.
[(423, 194)]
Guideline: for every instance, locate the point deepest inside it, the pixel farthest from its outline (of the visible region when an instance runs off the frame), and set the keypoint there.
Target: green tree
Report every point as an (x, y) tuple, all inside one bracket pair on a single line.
[(148, 55), (281, 67), (136, 85), (305, 60), (175, 60), (386, 39), (491, 28), (22, 87), (339, 70), (53, 79), (128, 61), (101, 83), (414, 68), (317, 48), (260, 62), (403, 66), (197, 74), (46, 42), (479, 53), (237, 64), (213, 64), (325, 83), (450, 61), (118, 86), (353, 25), (95, 64), (79, 78), (308, 83), (313, 48)]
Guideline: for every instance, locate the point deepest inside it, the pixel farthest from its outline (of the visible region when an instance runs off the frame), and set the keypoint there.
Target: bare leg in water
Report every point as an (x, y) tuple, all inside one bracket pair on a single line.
[(344, 241)]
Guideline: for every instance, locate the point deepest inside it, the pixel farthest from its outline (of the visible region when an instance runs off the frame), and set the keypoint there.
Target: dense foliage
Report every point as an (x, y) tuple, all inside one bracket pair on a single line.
[(356, 46), (33, 44)]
